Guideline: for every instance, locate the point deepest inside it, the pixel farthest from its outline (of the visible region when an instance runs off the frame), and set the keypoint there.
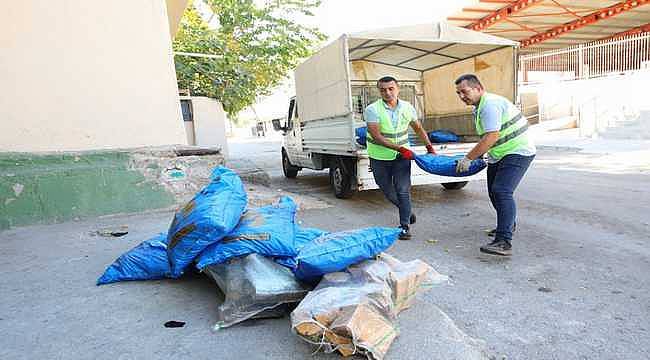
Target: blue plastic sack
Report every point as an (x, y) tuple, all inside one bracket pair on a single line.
[(361, 134), (336, 251), (147, 261), (268, 231), (303, 236), (446, 165), (443, 136), (212, 214)]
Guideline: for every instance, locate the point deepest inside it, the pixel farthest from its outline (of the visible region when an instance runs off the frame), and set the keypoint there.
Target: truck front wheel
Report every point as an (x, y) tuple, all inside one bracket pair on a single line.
[(340, 179), (454, 185), (289, 170)]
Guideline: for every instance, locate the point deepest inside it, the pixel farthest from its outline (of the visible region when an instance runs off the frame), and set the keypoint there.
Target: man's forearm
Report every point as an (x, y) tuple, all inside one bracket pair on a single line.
[(385, 143), (421, 133), (378, 138)]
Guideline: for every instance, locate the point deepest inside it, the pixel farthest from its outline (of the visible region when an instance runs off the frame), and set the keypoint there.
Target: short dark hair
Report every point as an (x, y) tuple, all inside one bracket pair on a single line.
[(471, 79), (387, 79)]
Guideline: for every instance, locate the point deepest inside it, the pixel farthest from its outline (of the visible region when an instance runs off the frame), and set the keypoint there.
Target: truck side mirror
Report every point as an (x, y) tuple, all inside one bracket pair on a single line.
[(277, 126)]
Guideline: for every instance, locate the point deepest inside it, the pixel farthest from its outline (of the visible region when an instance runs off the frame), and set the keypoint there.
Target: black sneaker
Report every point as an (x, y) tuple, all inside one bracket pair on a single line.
[(405, 234), (497, 247), (493, 232), (412, 219)]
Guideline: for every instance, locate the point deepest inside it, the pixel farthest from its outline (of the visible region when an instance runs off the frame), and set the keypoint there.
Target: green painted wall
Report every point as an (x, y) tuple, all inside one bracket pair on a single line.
[(54, 188)]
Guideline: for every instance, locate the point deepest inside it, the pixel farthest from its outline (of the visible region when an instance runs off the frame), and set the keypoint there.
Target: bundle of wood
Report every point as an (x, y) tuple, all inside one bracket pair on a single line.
[(355, 312)]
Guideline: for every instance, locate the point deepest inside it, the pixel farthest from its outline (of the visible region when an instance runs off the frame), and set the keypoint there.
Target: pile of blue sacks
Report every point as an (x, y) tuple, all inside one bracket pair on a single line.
[(443, 136), (215, 227), (435, 136), (361, 135)]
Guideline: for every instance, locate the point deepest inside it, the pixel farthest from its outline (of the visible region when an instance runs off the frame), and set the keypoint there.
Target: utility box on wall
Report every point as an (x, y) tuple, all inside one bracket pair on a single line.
[(205, 122)]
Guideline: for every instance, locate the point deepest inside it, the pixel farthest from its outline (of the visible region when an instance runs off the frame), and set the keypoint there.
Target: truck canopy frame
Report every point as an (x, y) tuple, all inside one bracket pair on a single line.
[(422, 47)]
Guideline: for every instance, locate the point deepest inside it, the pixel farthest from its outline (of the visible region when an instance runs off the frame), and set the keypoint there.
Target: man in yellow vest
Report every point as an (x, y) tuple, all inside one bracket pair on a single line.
[(388, 120), (502, 128)]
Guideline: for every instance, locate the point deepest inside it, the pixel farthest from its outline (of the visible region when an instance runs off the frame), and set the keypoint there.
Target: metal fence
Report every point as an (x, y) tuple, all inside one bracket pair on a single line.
[(584, 61)]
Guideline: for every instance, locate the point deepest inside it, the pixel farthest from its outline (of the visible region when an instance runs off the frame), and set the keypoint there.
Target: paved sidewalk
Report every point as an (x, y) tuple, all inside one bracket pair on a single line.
[(570, 139)]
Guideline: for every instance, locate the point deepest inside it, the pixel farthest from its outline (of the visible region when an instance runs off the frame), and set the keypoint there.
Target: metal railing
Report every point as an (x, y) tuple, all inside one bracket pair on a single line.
[(584, 61)]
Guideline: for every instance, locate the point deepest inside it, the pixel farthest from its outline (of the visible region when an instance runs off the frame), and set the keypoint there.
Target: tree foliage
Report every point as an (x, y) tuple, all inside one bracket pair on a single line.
[(257, 47)]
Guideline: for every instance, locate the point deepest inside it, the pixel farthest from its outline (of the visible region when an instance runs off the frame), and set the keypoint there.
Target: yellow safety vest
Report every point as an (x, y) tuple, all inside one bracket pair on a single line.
[(512, 133), (397, 135)]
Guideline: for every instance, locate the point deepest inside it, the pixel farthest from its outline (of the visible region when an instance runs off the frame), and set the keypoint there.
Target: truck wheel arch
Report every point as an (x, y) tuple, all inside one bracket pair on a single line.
[(290, 171), (342, 176)]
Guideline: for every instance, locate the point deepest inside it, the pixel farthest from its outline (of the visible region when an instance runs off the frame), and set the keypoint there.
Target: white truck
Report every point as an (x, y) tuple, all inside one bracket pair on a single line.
[(335, 85)]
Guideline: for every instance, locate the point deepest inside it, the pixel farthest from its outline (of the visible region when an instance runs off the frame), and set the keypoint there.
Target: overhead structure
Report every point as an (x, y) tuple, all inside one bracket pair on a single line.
[(553, 24)]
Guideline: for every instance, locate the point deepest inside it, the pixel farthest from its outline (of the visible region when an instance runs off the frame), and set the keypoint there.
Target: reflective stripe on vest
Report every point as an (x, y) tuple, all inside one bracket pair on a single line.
[(512, 132), (397, 135)]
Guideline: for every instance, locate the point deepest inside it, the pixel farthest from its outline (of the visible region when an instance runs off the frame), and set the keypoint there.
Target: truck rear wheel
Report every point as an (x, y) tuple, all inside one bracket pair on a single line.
[(454, 185), (289, 170), (341, 179)]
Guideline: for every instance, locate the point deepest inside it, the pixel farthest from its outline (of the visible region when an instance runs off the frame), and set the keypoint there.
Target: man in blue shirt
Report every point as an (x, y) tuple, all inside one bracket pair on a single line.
[(504, 137), (388, 120)]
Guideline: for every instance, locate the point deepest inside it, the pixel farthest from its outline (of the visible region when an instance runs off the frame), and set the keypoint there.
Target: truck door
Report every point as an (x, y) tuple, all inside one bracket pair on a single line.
[(293, 139)]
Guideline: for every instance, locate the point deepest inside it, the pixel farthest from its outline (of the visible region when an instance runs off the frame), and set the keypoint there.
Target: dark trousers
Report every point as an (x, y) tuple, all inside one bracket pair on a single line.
[(394, 178), (503, 178)]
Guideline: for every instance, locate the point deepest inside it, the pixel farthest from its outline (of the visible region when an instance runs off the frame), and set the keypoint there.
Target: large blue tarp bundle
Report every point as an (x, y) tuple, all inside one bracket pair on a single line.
[(303, 236), (361, 134), (336, 251), (443, 136), (268, 231), (446, 165), (206, 219), (147, 261)]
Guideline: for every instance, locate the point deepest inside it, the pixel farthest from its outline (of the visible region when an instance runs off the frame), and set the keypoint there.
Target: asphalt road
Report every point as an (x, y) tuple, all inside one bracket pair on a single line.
[(577, 287), (578, 284)]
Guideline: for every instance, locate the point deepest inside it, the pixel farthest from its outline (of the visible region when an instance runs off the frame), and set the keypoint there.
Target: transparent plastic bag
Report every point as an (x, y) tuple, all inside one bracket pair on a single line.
[(253, 286), (355, 311), (404, 278), (344, 299)]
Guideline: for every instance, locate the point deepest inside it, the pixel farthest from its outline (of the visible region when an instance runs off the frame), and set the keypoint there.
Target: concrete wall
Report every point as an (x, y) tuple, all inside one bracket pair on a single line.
[(208, 128), (81, 75), (209, 123), (614, 106), (554, 100), (47, 188)]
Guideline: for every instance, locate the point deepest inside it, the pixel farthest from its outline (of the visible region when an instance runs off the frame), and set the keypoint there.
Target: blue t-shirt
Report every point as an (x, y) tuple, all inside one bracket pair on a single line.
[(371, 117), (491, 113)]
